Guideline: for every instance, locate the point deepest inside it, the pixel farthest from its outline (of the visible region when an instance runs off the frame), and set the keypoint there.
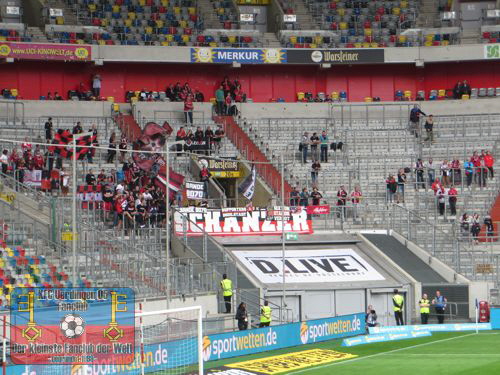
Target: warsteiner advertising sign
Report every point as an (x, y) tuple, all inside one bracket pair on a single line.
[(72, 326), (222, 168), (335, 56), (312, 266), (238, 221)]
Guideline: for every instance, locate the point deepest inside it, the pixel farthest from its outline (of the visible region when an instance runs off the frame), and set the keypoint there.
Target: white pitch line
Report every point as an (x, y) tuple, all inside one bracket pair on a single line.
[(444, 354), (378, 354)]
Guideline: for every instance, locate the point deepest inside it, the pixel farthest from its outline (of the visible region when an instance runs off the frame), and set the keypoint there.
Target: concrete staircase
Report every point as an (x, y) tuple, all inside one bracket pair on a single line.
[(210, 19), (304, 17), (470, 36), (428, 14), (270, 40), (37, 35)]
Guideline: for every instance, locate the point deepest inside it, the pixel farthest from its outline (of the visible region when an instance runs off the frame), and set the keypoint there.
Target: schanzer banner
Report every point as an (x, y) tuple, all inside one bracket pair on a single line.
[(240, 221), (313, 266)]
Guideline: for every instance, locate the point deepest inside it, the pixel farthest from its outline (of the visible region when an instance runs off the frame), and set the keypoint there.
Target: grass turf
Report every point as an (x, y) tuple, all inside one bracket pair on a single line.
[(463, 353)]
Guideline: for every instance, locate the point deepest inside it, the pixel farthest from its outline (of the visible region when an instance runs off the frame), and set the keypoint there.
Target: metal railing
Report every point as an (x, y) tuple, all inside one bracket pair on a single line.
[(12, 112)]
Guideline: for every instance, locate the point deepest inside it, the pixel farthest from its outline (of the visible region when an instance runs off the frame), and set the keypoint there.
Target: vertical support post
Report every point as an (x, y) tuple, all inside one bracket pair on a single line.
[(73, 214), (200, 341), (167, 223), (283, 245)]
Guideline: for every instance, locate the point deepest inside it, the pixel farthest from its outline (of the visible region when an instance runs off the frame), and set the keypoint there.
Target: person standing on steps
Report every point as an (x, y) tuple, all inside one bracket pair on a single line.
[(429, 129), (398, 302), (227, 292), (425, 310), (415, 120), (242, 317), (439, 303), (265, 315)]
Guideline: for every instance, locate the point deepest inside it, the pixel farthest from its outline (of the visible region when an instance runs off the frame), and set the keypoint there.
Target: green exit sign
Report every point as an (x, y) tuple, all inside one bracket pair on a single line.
[(291, 236)]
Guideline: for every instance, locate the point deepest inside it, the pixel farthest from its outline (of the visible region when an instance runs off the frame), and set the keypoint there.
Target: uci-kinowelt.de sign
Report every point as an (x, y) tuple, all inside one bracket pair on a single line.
[(313, 266), (38, 51)]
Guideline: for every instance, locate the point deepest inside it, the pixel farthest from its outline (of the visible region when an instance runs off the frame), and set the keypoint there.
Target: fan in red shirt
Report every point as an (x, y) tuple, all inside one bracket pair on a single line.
[(452, 199), (38, 161), (341, 200), (356, 197), (188, 110), (181, 134), (436, 186), (26, 145), (489, 161)]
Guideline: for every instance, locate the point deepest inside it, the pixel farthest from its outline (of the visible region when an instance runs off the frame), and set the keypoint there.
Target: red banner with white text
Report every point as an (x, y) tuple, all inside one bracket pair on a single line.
[(318, 210), (240, 221)]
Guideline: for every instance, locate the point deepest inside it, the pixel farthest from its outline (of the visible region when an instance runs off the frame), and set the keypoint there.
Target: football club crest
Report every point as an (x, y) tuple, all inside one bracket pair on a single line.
[(76, 326)]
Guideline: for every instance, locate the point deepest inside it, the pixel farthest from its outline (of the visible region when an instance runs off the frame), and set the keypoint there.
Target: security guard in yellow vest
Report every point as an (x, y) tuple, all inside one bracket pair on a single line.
[(265, 315), (227, 292), (398, 301), (425, 310)]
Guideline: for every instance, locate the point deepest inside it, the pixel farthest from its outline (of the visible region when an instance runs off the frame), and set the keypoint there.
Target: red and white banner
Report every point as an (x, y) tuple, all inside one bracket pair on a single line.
[(318, 210), (239, 221), (33, 178)]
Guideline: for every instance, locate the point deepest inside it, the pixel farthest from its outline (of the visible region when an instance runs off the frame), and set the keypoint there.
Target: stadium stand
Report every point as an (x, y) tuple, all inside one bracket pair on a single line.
[(374, 148), (131, 23)]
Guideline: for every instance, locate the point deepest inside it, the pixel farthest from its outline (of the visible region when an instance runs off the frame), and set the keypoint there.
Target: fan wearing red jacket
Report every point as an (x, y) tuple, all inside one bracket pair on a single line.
[(356, 197), (188, 110), (452, 199), (38, 161), (341, 201), (489, 161)]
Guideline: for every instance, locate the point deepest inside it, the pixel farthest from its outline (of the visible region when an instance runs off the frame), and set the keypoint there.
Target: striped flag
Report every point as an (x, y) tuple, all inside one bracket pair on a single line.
[(175, 181), (62, 144), (247, 187)]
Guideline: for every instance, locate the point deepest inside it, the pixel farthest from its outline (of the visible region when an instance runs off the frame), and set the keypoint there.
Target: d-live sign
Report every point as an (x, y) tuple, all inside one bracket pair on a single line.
[(313, 266)]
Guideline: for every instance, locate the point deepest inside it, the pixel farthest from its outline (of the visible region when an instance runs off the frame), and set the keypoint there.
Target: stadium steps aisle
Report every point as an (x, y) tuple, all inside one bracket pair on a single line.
[(405, 259)]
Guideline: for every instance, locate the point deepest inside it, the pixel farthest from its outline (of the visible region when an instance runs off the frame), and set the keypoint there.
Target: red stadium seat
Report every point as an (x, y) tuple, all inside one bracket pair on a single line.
[(162, 9), (486, 35), (334, 26), (333, 5), (188, 31), (193, 17), (96, 22), (227, 25), (200, 38)]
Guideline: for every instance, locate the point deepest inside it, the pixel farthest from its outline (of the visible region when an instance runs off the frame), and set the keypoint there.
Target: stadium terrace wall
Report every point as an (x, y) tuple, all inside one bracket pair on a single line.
[(261, 82), (219, 346)]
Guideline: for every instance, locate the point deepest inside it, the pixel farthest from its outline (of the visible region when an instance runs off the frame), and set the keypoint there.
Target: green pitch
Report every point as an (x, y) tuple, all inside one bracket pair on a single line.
[(463, 353)]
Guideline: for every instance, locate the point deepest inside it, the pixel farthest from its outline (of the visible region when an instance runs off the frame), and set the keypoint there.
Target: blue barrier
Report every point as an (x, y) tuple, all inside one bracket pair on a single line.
[(224, 345), (457, 327), (495, 318), (383, 337)]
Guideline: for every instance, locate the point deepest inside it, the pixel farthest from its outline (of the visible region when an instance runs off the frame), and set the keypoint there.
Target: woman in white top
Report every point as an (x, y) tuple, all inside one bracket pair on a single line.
[(445, 171), (96, 86)]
